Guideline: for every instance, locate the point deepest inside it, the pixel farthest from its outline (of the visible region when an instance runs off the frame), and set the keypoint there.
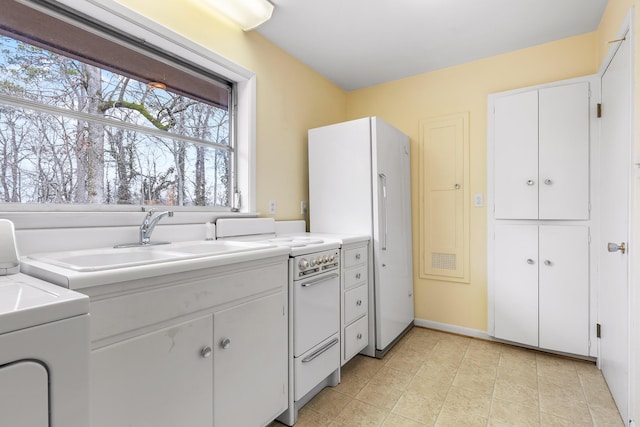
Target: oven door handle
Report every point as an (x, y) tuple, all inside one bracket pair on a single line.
[(321, 350), (319, 280)]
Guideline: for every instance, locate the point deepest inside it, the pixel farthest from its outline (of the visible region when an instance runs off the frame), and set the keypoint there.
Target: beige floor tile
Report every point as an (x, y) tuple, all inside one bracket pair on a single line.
[(406, 361), (474, 381), (360, 414), (307, 417), (517, 393), (513, 414), (461, 403), (417, 408), (350, 383), (429, 389), (380, 396), (548, 420), (560, 388), (604, 417), (329, 402), (363, 366), (522, 376), (395, 420), (570, 409), (434, 378), (436, 371), (392, 378)]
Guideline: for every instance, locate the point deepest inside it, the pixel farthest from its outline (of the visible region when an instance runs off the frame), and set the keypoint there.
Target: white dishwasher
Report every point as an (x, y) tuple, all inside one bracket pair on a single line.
[(44, 348)]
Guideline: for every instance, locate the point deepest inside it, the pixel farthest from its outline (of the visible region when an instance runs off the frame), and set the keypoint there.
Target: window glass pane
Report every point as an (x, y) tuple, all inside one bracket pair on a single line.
[(56, 158)]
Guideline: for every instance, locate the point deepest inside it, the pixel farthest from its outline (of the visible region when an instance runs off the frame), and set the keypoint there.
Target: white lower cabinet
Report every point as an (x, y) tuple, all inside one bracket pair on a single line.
[(541, 286), (157, 379), (200, 348), (355, 300), (248, 363)]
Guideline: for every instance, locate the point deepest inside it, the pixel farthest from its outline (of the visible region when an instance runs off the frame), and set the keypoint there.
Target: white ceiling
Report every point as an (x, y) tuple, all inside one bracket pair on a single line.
[(360, 43)]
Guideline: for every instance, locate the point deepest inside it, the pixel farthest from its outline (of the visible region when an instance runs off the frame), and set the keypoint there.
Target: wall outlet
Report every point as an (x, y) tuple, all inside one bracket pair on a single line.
[(478, 200), (303, 207), (272, 207)]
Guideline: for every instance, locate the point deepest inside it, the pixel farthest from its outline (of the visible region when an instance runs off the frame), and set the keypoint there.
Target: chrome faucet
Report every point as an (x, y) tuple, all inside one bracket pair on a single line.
[(149, 223)]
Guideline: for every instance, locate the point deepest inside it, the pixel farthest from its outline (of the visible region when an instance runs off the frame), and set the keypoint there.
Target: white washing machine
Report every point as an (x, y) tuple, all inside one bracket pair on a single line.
[(44, 348)]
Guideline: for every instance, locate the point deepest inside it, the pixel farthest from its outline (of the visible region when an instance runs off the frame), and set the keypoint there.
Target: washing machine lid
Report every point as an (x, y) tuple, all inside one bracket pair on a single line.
[(26, 301)]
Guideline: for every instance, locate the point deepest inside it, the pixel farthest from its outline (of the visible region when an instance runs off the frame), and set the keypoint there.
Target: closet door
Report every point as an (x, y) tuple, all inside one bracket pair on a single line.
[(516, 283), (564, 288), (516, 156), (564, 152)]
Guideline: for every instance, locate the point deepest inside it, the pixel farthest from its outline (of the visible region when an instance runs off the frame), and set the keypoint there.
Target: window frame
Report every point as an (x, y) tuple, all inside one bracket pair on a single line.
[(243, 105)]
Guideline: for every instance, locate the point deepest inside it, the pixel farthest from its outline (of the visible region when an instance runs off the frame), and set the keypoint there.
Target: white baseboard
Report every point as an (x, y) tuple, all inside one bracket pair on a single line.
[(454, 329)]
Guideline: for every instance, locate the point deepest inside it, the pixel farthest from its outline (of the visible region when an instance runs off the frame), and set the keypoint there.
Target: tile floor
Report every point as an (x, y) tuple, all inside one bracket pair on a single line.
[(432, 378)]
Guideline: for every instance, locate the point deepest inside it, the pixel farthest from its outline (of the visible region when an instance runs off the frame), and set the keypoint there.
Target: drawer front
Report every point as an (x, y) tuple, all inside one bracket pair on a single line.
[(355, 256), (355, 276), (356, 337), (315, 365), (355, 304)]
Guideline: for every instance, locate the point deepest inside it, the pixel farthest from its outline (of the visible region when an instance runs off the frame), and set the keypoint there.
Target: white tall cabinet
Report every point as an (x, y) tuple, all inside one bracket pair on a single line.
[(539, 218)]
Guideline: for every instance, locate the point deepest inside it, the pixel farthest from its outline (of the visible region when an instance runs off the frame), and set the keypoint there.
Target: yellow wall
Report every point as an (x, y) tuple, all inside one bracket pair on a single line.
[(291, 97), (459, 89)]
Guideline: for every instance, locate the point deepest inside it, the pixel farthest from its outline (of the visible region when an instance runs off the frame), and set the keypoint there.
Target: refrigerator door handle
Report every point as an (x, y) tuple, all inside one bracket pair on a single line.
[(384, 209)]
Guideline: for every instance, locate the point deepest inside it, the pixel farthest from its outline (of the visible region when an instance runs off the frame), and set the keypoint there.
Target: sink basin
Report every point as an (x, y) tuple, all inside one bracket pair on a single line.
[(104, 259), (113, 258), (213, 247)]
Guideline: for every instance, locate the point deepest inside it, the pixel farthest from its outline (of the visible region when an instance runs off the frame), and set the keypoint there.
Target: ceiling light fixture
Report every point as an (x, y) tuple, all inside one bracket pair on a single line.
[(246, 13), (157, 85)]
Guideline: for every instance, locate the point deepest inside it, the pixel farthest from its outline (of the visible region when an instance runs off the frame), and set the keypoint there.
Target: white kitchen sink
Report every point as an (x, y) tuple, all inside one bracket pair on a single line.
[(115, 258)]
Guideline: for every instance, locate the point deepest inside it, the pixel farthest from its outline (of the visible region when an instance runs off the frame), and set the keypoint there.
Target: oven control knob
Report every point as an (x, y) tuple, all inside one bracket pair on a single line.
[(325, 259), (312, 262), (303, 264), (331, 258)]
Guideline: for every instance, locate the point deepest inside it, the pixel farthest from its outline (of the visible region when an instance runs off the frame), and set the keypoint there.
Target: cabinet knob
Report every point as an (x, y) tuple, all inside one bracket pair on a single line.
[(358, 275), (359, 302), (530, 182), (456, 186), (225, 343), (206, 352), (530, 261), (548, 181), (358, 256), (359, 336), (547, 262)]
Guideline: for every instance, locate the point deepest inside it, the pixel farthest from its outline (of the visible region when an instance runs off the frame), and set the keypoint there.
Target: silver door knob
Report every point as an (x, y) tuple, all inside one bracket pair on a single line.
[(206, 352), (530, 261), (457, 186), (548, 181), (225, 343), (613, 247), (547, 262), (530, 182)]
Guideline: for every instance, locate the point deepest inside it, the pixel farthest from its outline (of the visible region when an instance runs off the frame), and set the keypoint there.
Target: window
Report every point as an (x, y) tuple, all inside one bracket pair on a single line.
[(90, 118)]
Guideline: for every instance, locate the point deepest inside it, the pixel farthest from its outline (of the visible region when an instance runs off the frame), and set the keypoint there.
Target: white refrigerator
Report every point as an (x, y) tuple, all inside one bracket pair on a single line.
[(359, 183)]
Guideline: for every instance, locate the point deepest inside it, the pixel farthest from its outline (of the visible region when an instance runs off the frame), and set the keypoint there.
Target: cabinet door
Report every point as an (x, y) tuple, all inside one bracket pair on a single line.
[(516, 156), (250, 362), (564, 288), (564, 152), (159, 379), (516, 283)]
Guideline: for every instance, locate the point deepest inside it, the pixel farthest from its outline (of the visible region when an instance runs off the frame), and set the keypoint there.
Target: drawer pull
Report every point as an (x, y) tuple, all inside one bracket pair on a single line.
[(358, 276), (359, 302), (358, 256), (321, 350), (359, 336), (225, 343), (206, 352)]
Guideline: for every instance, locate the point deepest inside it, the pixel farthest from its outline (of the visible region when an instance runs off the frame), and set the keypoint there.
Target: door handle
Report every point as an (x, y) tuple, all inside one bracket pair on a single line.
[(613, 247), (384, 209)]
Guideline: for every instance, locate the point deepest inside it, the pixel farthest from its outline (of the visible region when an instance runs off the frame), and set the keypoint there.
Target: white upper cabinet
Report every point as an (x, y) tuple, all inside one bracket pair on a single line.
[(541, 154)]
